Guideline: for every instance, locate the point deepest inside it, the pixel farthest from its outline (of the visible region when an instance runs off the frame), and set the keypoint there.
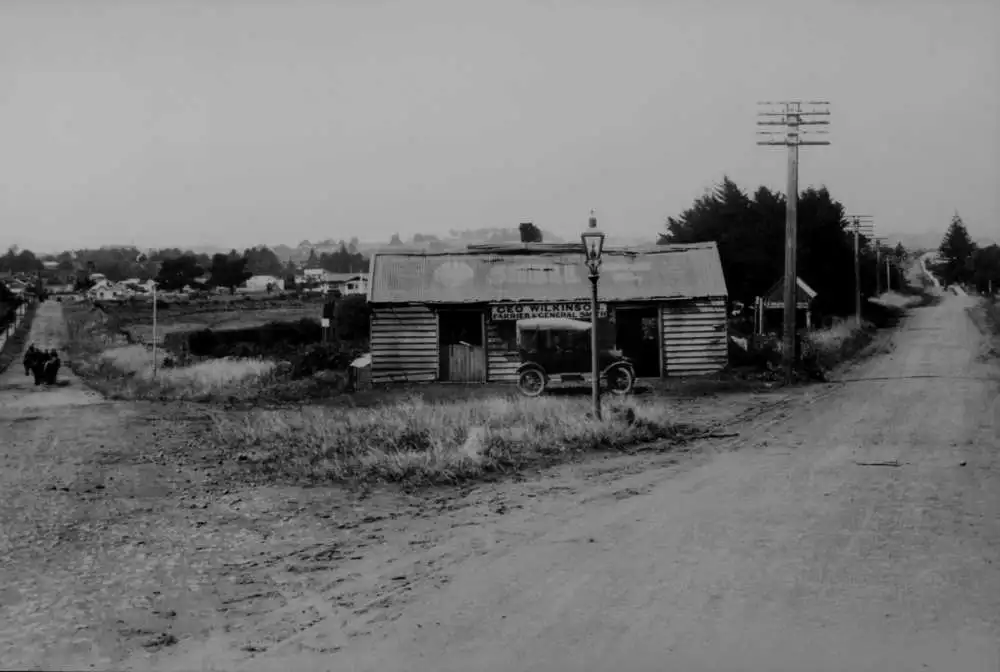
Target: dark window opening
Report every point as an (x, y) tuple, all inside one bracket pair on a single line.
[(461, 326), (638, 337), (506, 332)]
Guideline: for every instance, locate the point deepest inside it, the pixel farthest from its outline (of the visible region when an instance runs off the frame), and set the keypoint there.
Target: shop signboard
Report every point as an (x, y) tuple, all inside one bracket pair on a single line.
[(574, 310)]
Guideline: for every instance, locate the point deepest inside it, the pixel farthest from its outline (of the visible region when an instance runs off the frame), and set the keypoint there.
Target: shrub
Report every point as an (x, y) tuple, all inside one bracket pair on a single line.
[(274, 336), (840, 342), (416, 441), (351, 317), (321, 357)]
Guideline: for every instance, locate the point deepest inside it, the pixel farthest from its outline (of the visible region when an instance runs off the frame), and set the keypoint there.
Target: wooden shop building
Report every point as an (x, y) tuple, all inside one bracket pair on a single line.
[(450, 316)]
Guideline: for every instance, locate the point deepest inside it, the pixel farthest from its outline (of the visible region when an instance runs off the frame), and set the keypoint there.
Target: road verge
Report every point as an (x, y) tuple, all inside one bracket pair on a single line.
[(14, 345)]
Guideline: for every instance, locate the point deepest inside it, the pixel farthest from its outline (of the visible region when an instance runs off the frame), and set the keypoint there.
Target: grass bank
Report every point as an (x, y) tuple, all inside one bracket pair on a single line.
[(991, 310), (122, 371), (843, 341), (418, 442), (986, 317)]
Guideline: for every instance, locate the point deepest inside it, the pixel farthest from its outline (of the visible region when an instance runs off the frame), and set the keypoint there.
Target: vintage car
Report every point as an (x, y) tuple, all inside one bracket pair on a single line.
[(554, 349)]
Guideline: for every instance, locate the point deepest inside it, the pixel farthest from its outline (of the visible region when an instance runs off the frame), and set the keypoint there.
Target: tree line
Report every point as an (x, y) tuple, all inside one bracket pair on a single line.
[(750, 233), (173, 268), (963, 262)]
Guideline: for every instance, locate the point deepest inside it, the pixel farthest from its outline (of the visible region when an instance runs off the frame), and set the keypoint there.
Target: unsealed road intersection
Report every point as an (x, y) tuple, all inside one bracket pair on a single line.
[(796, 551)]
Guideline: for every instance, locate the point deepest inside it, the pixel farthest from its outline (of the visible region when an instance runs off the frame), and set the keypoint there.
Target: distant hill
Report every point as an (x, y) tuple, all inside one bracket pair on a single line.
[(209, 249), (454, 240)]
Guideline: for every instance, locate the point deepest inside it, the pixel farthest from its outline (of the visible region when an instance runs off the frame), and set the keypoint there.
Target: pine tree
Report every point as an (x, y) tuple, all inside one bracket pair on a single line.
[(956, 252)]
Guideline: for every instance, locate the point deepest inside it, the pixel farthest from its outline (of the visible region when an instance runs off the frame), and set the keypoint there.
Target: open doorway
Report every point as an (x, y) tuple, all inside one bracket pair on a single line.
[(463, 351), (638, 337)]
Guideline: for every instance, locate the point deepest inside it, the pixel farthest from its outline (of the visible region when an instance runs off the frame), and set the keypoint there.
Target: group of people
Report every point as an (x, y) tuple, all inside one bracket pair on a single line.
[(43, 364)]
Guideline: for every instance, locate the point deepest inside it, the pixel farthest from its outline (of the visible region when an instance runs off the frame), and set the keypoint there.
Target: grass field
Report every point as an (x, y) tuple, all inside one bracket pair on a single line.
[(227, 313), (125, 371)]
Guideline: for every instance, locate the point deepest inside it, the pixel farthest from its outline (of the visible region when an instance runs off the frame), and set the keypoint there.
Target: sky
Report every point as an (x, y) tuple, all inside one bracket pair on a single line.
[(214, 122)]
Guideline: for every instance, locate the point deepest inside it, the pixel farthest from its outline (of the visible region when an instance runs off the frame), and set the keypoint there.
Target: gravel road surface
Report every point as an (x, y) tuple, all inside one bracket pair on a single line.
[(800, 551), (851, 527)]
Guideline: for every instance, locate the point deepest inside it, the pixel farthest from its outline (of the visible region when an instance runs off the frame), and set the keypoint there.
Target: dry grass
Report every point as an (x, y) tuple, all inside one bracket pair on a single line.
[(897, 300), (842, 341), (126, 371), (415, 441), (204, 379), (992, 309)]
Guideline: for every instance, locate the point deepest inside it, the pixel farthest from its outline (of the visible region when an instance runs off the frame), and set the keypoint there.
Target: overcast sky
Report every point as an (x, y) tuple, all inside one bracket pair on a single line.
[(237, 123)]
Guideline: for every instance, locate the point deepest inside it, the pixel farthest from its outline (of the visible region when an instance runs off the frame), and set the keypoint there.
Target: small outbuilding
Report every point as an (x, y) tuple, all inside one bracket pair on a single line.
[(774, 300), (451, 316)]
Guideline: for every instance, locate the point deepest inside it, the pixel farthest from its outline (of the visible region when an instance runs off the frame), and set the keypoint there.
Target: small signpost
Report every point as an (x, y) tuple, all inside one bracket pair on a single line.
[(326, 322), (141, 259)]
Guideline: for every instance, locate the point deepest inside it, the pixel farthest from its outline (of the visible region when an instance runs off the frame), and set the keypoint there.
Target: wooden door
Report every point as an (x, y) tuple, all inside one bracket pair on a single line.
[(466, 364)]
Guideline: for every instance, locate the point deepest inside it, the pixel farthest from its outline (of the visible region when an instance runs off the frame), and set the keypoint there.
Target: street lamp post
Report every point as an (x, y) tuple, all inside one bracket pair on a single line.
[(593, 247)]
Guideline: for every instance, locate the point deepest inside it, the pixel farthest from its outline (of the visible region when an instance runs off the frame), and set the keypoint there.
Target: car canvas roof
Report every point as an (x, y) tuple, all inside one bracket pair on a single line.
[(553, 324)]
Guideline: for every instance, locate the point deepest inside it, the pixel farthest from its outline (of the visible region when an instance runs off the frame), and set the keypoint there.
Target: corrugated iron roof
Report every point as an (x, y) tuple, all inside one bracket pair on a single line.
[(539, 272)]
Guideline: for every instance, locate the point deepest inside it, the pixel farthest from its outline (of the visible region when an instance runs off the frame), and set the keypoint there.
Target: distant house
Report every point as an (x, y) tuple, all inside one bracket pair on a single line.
[(108, 291), (355, 285), (16, 287), (261, 283), (313, 275)]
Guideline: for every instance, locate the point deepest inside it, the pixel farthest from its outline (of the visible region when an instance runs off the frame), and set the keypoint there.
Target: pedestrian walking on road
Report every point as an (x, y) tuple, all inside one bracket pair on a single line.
[(29, 359), (39, 361), (52, 367)]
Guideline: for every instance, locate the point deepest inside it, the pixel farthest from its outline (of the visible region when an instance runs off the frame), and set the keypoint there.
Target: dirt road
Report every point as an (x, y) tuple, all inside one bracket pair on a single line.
[(126, 544), (788, 554), (99, 553)]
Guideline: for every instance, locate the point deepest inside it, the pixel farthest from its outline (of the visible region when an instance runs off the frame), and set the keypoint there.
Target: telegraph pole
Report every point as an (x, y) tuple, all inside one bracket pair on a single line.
[(878, 265), (789, 113), (860, 222)]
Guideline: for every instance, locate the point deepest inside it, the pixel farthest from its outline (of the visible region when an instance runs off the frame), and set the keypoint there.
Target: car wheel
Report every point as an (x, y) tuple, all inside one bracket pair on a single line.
[(621, 380), (531, 383)]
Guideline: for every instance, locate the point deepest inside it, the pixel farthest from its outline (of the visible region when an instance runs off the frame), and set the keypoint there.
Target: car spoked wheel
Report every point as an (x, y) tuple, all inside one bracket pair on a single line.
[(621, 380), (531, 383)]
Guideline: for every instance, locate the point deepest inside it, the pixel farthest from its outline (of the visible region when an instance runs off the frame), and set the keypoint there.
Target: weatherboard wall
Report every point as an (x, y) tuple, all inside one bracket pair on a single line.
[(404, 344), (501, 362), (695, 337)]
